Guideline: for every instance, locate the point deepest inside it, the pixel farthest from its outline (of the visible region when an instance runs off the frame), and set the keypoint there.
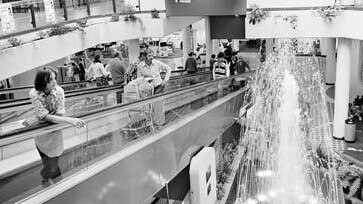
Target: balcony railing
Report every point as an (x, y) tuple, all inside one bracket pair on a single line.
[(30, 15)]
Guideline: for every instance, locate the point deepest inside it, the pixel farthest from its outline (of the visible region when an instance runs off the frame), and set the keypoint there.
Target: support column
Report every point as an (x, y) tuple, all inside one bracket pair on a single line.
[(215, 44), (269, 46), (134, 49), (187, 42), (208, 41), (342, 87), (356, 72), (328, 48)]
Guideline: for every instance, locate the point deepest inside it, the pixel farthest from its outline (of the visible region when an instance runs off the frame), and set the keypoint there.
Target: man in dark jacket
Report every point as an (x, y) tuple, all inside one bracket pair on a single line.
[(191, 63)]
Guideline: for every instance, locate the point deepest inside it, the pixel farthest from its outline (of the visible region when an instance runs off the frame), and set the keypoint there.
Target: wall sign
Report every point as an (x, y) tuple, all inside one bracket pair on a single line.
[(184, 1), (7, 17), (202, 172), (49, 10)]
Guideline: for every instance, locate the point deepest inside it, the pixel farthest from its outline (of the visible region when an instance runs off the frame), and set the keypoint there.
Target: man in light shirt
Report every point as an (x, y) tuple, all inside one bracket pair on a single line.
[(153, 68)]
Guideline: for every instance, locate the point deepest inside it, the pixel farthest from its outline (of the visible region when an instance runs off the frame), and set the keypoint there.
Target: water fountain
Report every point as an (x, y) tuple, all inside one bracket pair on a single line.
[(287, 145)]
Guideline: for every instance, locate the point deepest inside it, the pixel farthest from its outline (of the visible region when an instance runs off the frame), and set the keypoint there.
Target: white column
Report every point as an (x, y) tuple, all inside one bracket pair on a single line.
[(187, 42), (215, 49), (134, 49), (356, 72), (208, 41), (328, 48), (342, 83), (269, 45)]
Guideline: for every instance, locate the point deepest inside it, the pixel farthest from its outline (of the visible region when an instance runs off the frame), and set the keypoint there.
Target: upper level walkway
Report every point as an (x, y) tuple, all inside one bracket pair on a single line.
[(51, 42), (301, 19)]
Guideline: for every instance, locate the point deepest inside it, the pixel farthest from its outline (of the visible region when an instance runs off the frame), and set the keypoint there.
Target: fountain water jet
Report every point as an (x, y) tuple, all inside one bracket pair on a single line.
[(286, 130)]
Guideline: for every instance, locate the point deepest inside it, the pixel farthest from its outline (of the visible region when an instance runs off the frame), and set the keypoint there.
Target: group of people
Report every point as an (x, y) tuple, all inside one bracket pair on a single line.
[(48, 101), (48, 97), (221, 65)]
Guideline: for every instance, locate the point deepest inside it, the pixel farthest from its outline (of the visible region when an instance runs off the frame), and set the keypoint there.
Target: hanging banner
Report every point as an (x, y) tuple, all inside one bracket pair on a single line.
[(7, 17), (49, 10)]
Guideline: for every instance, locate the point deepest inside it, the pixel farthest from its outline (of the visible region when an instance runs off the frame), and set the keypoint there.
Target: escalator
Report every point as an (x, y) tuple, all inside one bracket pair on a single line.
[(81, 101), (103, 163), (22, 93)]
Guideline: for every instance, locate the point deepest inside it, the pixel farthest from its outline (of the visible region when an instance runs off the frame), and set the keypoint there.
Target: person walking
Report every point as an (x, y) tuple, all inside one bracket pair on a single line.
[(191, 64)]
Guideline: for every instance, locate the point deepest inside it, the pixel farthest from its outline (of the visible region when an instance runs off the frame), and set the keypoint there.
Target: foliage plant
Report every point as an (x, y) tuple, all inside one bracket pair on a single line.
[(130, 14), (329, 13), (350, 176), (60, 30), (115, 18), (225, 169), (42, 35), (82, 23), (292, 20), (155, 13), (256, 15), (14, 42)]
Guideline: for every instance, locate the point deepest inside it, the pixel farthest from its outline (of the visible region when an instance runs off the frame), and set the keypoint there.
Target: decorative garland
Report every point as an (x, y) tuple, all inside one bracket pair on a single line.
[(329, 13), (228, 154), (256, 15), (292, 20)]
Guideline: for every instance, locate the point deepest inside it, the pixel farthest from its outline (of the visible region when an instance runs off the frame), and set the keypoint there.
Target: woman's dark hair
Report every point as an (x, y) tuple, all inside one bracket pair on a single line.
[(42, 78), (220, 55), (97, 59)]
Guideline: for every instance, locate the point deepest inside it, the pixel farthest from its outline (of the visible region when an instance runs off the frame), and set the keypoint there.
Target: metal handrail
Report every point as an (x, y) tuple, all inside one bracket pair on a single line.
[(36, 28), (48, 127)]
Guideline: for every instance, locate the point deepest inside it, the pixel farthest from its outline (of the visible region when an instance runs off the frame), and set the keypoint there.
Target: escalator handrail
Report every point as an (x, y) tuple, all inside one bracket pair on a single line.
[(29, 87), (26, 133), (74, 93), (7, 90), (87, 89), (26, 101)]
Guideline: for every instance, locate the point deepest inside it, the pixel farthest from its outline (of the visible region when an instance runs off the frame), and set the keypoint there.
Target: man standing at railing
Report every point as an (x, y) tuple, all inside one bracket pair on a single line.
[(153, 68), (117, 70)]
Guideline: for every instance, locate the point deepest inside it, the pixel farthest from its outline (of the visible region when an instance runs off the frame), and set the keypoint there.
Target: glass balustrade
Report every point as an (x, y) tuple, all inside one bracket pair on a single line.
[(31, 14), (82, 102), (105, 133)]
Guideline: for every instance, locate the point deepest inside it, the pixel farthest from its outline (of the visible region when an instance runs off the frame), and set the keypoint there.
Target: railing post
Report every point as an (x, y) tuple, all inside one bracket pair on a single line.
[(88, 8), (64, 3), (114, 6), (32, 14)]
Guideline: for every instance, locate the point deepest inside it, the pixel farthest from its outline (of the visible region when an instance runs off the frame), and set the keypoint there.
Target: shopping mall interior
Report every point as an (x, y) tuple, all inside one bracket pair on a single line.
[(181, 101)]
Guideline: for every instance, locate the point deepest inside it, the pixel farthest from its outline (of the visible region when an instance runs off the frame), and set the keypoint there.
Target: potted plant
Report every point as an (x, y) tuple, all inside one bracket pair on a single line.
[(329, 13), (256, 15), (155, 13), (130, 16), (14, 42), (292, 20)]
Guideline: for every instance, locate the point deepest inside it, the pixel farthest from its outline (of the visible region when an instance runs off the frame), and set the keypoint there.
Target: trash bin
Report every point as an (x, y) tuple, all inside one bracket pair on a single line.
[(349, 130)]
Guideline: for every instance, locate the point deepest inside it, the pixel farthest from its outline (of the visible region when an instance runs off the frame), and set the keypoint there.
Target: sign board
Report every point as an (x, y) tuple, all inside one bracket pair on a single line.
[(49, 10), (7, 17), (185, 1), (202, 172)]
